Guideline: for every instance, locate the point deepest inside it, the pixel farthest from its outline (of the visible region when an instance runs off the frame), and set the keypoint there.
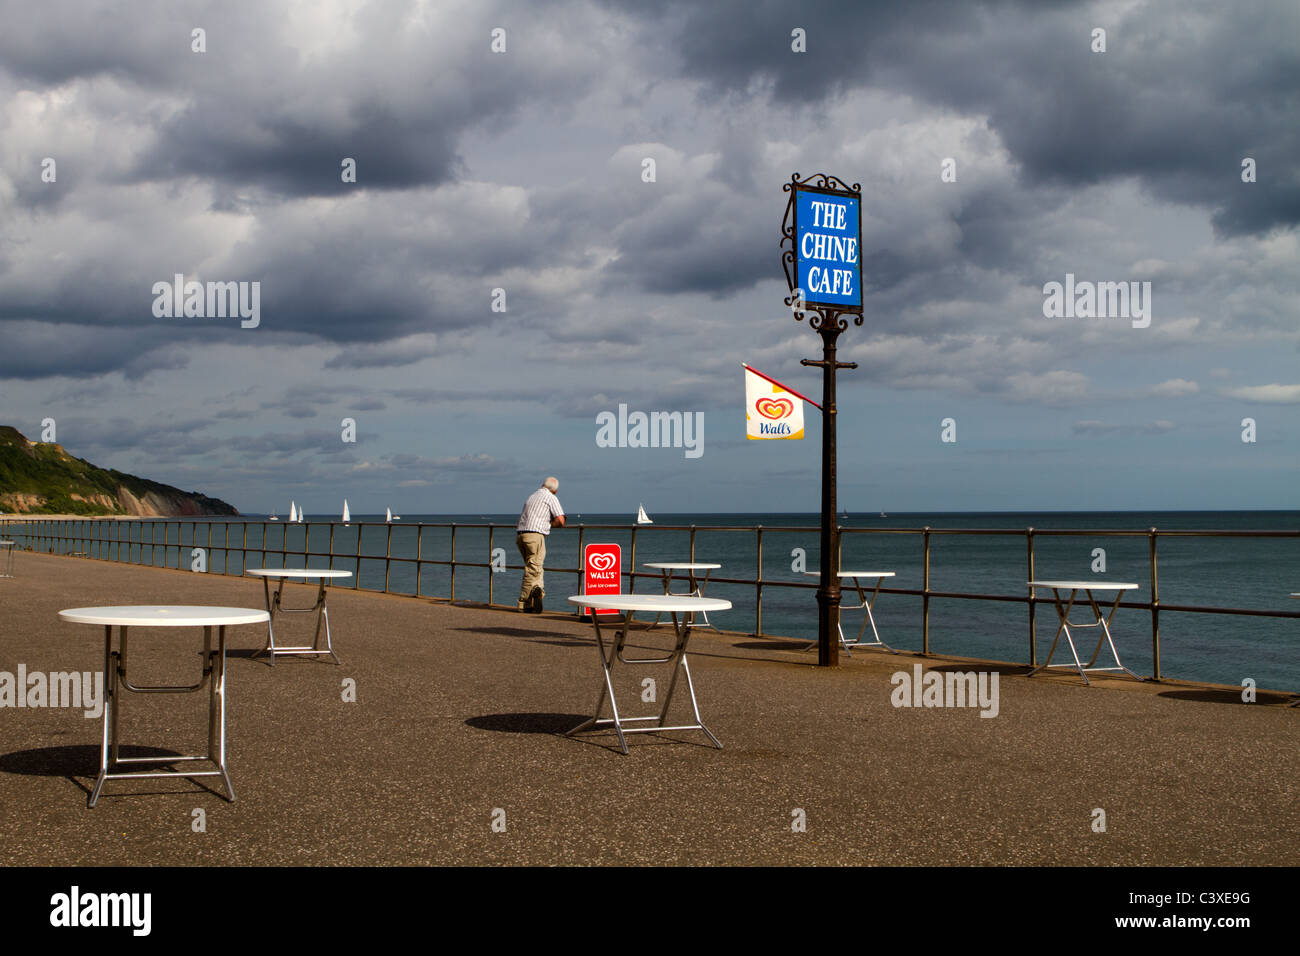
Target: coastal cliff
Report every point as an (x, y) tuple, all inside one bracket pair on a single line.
[(42, 478)]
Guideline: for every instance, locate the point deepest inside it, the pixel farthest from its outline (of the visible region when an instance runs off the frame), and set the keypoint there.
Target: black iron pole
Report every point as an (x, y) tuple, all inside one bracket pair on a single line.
[(828, 594)]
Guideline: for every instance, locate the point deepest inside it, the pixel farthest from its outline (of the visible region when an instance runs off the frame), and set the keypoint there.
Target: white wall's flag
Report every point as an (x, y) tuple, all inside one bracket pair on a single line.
[(772, 411)]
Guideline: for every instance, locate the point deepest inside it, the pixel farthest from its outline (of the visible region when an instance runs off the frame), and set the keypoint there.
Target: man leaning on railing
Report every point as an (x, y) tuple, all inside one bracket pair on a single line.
[(542, 512)]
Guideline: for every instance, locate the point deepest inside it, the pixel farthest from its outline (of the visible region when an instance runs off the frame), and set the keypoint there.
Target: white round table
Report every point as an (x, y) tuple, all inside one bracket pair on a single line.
[(320, 575), (856, 577), (1101, 620), (697, 586), (8, 570), (672, 604), (116, 681)]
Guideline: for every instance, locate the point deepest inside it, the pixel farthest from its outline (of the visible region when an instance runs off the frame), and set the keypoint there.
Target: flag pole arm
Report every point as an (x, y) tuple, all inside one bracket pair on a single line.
[(779, 385)]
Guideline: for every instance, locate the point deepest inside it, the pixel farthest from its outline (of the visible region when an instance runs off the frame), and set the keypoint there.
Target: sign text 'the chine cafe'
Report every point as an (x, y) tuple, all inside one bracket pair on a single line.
[(828, 247)]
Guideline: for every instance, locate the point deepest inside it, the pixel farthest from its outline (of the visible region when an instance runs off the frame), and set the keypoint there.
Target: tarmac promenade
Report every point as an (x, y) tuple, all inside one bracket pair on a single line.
[(460, 711)]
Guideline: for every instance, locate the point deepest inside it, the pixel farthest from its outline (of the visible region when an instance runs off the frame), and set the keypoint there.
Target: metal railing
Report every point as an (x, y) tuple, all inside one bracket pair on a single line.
[(92, 538)]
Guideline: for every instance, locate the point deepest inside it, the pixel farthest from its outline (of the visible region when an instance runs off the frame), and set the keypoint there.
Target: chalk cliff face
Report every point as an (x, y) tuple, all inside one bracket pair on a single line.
[(40, 477)]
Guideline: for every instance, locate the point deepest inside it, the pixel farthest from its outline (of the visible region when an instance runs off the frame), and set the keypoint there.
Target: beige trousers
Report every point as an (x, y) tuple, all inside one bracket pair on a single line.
[(532, 548)]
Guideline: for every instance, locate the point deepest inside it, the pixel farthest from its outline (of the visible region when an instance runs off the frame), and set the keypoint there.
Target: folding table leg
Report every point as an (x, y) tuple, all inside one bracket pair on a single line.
[(684, 666), (217, 705), (606, 664), (695, 707), (1077, 665), (682, 635), (119, 662), (1104, 623), (1064, 615), (110, 710), (270, 617)]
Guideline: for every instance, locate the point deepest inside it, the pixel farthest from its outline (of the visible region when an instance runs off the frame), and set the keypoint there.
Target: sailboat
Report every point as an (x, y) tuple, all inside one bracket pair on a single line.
[(391, 517), (293, 511), (641, 516), (273, 518), (347, 515)]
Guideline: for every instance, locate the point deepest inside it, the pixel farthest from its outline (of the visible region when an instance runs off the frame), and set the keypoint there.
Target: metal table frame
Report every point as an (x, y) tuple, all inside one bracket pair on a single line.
[(867, 604), (667, 568), (677, 657), (1102, 621), (8, 559), (274, 605)]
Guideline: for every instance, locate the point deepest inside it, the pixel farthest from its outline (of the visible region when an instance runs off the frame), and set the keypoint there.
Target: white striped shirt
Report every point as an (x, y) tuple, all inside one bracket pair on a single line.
[(539, 509)]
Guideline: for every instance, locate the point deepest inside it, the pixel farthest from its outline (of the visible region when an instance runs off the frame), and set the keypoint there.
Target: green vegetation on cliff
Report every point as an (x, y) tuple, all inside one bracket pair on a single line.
[(37, 477)]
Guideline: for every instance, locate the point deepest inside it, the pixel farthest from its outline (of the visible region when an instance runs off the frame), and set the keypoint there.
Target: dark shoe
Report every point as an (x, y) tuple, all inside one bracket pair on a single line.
[(535, 601)]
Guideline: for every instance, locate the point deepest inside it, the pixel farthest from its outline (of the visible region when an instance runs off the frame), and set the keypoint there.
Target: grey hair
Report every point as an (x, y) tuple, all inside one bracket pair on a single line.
[(551, 484)]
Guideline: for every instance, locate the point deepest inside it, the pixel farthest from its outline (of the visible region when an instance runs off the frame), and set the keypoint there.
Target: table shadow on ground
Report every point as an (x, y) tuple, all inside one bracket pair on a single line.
[(527, 723), (1005, 670), (1263, 697), (82, 761), (559, 725), (538, 637)]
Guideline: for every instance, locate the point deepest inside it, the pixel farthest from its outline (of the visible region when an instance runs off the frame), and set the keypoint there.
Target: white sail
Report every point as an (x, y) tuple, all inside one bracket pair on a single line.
[(347, 515), (388, 514), (293, 511), (641, 516)]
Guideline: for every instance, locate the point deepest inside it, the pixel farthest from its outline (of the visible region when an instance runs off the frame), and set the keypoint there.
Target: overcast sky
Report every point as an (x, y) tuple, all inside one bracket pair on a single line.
[(524, 171)]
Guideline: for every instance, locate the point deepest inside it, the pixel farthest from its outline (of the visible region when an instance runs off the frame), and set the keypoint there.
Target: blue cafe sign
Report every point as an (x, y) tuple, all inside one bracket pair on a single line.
[(828, 247)]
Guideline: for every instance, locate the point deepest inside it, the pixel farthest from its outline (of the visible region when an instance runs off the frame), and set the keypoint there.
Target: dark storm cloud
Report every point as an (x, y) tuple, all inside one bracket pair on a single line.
[(146, 440), (1184, 92), (35, 350), (264, 110)]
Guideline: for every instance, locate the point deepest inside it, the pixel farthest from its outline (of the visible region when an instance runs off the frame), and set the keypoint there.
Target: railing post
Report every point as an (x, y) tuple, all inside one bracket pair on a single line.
[(631, 564), (356, 586), (332, 545), (452, 600), (1155, 609), (388, 557), (491, 575), (582, 567), (925, 593), (692, 557), (758, 584), (1033, 608), (419, 556)]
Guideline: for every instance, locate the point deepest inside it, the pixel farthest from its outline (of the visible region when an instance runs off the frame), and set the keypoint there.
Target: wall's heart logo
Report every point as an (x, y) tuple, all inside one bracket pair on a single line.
[(774, 407), (601, 562)]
